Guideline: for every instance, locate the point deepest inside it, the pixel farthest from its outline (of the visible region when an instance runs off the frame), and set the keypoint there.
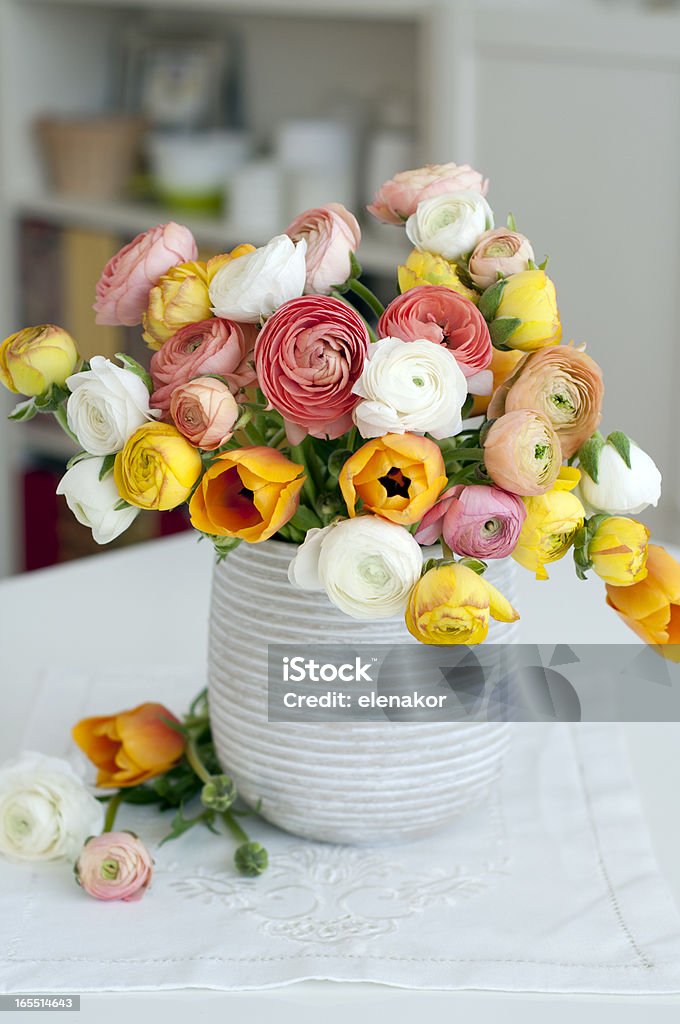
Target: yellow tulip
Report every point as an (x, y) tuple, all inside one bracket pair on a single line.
[(157, 468), (34, 359), (426, 268), (552, 522), (652, 607), (451, 604), (527, 317), (181, 297), (618, 551)]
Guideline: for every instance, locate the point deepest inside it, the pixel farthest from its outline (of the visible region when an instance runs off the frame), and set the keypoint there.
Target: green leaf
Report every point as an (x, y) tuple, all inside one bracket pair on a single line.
[(491, 299), (501, 330), (224, 545), (356, 269), (467, 407), (589, 456), (617, 439), (304, 519), (78, 457), (511, 222), (120, 505), (544, 264), (337, 460), (23, 411), (107, 466), (532, 266), (180, 824), (476, 564), (134, 367)]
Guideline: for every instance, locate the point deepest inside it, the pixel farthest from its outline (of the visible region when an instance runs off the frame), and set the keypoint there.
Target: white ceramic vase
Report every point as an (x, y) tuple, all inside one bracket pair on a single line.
[(347, 782)]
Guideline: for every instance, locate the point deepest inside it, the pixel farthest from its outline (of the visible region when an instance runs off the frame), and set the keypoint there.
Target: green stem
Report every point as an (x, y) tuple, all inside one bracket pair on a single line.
[(60, 417), (112, 809), (446, 550), (194, 759), (234, 827), (468, 454), (364, 293), (297, 454), (277, 437)]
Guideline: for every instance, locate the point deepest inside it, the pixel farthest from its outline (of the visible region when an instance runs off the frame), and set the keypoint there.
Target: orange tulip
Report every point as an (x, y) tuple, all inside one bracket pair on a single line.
[(132, 746), (249, 493), (398, 477), (652, 607)]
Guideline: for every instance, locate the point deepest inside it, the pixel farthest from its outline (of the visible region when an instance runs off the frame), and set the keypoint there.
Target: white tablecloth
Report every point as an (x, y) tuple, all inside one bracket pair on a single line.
[(549, 887)]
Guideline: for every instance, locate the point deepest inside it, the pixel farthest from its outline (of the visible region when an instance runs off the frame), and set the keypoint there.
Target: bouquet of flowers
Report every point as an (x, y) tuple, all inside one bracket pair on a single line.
[(282, 400)]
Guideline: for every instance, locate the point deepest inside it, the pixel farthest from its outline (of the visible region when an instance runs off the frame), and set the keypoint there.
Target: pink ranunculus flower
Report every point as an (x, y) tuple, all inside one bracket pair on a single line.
[(447, 318), (309, 355), (216, 346), (475, 520), (499, 251), (332, 235), (205, 411), (114, 866), (398, 198), (123, 288)]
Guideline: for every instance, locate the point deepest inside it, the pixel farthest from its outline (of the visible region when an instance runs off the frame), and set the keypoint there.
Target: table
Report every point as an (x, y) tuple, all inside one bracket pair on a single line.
[(121, 607)]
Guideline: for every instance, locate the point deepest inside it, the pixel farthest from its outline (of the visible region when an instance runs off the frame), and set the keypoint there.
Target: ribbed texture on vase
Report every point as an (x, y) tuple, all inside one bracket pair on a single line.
[(351, 782)]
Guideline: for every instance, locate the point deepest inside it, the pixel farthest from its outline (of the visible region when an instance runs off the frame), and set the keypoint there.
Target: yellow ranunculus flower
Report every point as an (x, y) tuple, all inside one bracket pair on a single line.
[(157, 468), (426, 268), (618, 551), (451, 604), (34, 359), (181, 297), (552, 521), (528, 301)]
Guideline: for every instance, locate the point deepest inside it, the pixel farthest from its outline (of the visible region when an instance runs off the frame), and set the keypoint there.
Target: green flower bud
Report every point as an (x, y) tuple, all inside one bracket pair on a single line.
[(251, 859), (218, 794)]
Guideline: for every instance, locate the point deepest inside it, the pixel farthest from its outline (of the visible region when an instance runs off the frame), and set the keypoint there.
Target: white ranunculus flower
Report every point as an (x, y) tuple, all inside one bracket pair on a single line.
[(366, 565), (621, 491), (410, 387), (107, 404), (46, 813), (450, 225), (93, 501), (254, 285)]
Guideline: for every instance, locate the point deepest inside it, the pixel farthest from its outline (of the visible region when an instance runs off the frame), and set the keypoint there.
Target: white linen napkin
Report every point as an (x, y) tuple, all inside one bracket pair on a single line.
[(551, 886)]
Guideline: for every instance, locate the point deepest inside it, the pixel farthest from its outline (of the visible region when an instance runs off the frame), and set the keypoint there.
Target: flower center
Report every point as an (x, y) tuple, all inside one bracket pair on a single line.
[(395, 483), (109, 870), (491, 526), (540, 451)]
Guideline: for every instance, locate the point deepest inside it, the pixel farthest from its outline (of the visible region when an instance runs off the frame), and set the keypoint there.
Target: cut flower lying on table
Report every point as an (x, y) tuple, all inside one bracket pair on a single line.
[(144, 755), (282, 400)]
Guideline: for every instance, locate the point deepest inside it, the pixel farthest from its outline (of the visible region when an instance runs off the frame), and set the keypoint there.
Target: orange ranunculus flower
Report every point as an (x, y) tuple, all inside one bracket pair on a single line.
[(652, 607), (132, 746), (249, 493), (398, 477)]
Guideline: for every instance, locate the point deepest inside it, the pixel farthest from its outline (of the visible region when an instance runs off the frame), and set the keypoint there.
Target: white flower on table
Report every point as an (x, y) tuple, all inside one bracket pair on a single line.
[(46, 812)]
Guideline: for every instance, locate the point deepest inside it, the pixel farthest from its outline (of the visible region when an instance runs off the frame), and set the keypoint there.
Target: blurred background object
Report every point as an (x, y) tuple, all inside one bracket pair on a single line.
[(234, 115)]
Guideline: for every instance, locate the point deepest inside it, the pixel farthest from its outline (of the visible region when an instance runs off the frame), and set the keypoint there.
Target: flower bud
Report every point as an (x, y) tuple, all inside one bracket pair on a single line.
[(34, 359), (251, 859), (218, 794)]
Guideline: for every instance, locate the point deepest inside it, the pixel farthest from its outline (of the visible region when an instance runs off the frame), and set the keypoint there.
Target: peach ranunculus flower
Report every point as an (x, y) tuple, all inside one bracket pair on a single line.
[(157, 468), (132, 746), (564, 384), (522, 453), (332, 234), (210, 347), (114, 866), (398, 198), (398, 477), (451, 604), (181, 296), (499, 251), (204, 411), (249, 494), (126, 280), (651, 607)]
